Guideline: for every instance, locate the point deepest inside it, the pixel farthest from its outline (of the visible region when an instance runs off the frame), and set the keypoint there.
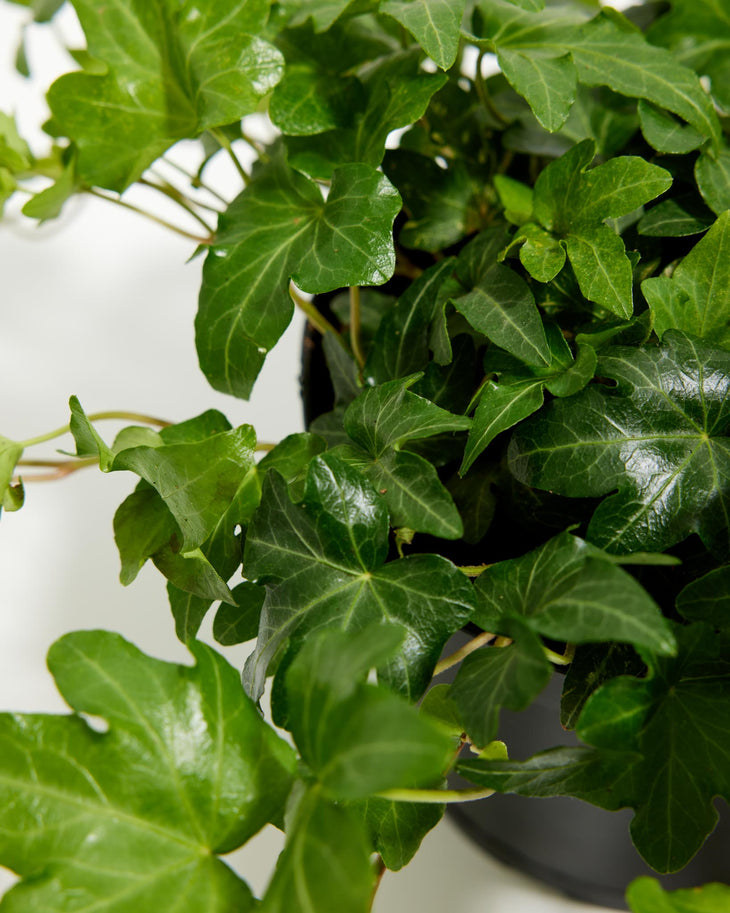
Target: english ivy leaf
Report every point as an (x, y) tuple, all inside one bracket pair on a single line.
[(476, 501), (592, 665), (307, 878), (292, 456), (88, 441), (397, 828), (658, 437), (322, 563), (496, 677), (697, 34), (357, 738), (75, 824), (389, 415), (435, 24), (516, 198), (708, 599), (236, 624), (308, 102), (48, 203), (400, 345), (675, 218), (712, 171), (410, 486), (567, 591), (547, 83), (10, 453), (541, 254), (603, 270), (280, 228), (667, 133), (15, 155), (675, 720), (195, 73), (143, 525), (43, 10), (497, 302), (697, 297), (196, 481), (192, 573), (645, 895)]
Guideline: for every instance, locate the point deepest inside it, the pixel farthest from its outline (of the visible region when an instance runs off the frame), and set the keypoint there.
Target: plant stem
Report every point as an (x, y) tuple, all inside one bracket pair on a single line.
[(479, 641), (560, 659), (435, 796), (318, 321), (225, 143), (196, 181), (62, 468), (265, 445), (172, 193), (483, 93), (98, 417), (148, 215), (380, 870), (355, 327)]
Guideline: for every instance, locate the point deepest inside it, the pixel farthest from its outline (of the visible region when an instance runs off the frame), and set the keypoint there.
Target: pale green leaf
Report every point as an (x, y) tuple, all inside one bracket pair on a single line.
[(435, 24)]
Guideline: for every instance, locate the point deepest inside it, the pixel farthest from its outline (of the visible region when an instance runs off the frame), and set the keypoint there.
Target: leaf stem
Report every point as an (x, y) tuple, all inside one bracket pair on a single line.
[(355, 325), (196, 181), (318, 321), (225, 143), (177, 196), (98, 417), (148, 215), (560, 659), (63, 468), (435, 796), (483, 92), (479, 641)]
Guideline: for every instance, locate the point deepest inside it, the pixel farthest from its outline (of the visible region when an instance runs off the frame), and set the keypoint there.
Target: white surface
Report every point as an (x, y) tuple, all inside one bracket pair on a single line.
[(102, 306)]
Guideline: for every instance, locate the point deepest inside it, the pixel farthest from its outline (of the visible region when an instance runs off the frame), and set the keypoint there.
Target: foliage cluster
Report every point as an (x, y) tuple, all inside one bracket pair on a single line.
[(528, 344)]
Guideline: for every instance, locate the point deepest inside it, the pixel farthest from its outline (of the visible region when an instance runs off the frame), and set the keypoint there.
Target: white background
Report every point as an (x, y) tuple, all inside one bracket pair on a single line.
[(101, 304)]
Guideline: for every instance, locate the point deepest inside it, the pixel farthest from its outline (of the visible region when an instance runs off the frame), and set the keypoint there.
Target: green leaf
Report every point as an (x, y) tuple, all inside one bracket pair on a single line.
[(602, 268), (280, 228), (194, 574), (496, 677), (359, 739), (197, 481), (498, 302), (170, 76), (697, 297), (15, 155), (667, 133), (542, 255), (568, 591), (435, 24), (236, 624), (10, 453), (516, 198), (78, 828), (658, 437), (547, 83), (397, 828), (292, 455), (143, 525), (49, 202), (592, 665), (712, 172), (708, 599), (88, 441), (645, 895), (306, 878), (322, 563), (675, 218), (389, 415), (400, 345), (675, 719)]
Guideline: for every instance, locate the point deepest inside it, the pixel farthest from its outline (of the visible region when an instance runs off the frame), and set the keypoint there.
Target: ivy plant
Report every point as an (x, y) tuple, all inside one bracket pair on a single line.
[(507, 225)]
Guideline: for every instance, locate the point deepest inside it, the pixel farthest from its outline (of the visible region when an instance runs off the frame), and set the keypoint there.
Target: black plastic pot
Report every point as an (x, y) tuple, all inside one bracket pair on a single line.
[(580, 849)]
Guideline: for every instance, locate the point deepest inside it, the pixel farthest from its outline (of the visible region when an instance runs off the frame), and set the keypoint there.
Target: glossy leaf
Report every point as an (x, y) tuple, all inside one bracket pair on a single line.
[(697, 297), (435, 24), (280, 228), (81, 829), (358, 738), (541, 254), (645, 895), (675, 719), (322, 563), (306, 878), (496, 677), (397, 828), (658, 437), (172, 72), (592, 665), (143, 525), (708, 598), (566, 590), (236, 624)]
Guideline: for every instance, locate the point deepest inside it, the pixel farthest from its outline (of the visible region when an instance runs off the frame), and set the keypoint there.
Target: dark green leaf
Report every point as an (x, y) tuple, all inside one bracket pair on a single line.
[(280, 228), (496, 677), (322, 563), (667, 133), (547, 83), (170, 76), (343, 369), (658, 437), (592, 665), (239, 623), (359, 739), (566, 590), (194, 574), (143, 524), (708, 598), (75, 824), (675, 718), (675, 218), (307, 877), (291, 456), (476, 500), (697, 297), (645, 895), (541, 254), (435, 24), (397, 828), (712, 172)]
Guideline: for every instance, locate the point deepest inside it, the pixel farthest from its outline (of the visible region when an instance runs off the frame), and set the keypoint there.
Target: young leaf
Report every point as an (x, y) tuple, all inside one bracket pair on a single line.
[(170, 76), (435, 24), (88, 440), (566, 590), (76, 824), (697, 297), (280, 228), (10, 453), (645, 895), (658, 437), (322, 563)]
